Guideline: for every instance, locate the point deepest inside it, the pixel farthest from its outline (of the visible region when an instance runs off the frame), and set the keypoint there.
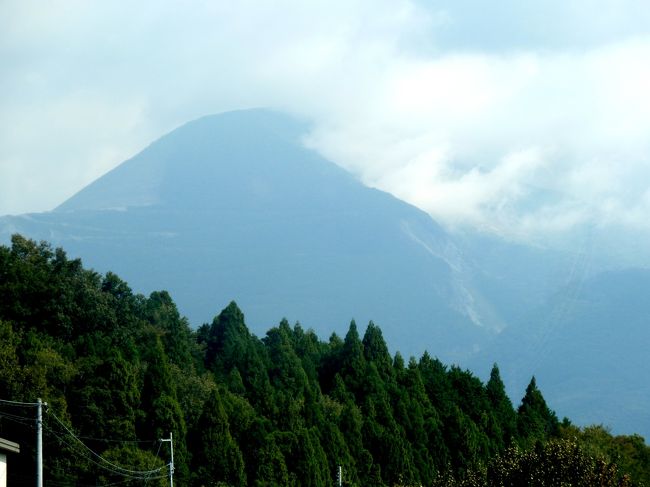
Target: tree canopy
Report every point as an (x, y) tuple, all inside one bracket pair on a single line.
[(120, 371)]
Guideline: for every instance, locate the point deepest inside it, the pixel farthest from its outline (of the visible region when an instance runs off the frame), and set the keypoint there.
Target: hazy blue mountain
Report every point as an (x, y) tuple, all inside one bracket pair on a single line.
[(233, 206)]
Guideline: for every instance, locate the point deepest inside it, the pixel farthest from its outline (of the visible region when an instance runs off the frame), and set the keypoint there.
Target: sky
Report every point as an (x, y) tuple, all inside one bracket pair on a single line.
[(523, 118)]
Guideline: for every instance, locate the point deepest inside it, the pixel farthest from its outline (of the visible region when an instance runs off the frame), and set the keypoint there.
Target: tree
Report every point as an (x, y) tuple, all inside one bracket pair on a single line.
[(502, 407), (535, 421), (376, 351), (558, 463), (217, 457), (228, 340), (159, 402), (104, 397), (352, 362), (162, 313), (288, 379), (11, 372), (136, 459), (230, 345), (271, 467)]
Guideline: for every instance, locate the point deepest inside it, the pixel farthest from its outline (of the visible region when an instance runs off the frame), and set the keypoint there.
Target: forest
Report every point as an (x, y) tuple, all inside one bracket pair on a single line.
[(120, 371)]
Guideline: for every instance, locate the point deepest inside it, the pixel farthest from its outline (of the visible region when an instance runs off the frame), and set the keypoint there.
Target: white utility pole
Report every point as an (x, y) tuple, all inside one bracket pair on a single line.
[(339, 476), (39, 442), (171, 464)]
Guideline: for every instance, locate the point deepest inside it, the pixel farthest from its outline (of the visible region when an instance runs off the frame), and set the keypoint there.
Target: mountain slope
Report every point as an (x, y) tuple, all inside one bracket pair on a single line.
[(233, 206)]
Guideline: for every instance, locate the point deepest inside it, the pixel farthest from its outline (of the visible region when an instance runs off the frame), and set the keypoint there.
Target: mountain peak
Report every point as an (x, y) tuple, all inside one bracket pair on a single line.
[(251, 156)]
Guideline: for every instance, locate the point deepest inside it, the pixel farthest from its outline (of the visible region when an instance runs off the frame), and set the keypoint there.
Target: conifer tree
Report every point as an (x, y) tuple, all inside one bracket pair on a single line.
[(176, 337), (228, 340), (502, 408), (352, 362), (218, 457), (162, 412), (376, 351), (535, 421)]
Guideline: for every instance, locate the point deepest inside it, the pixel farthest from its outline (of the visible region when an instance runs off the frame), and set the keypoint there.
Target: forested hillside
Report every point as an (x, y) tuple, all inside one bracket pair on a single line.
[(120, 371)]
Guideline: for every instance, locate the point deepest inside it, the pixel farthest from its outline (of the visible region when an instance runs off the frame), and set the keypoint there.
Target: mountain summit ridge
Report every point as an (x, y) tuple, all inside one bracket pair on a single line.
[(186, 157)]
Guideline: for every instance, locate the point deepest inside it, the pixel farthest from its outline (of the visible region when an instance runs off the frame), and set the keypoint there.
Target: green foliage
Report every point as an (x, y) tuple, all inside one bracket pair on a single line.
[(134, 459), (558, 463), (535, 421), (629, 453), (218, 457), (12, 374), (123, 371), (376, 351), (163, 314), (504, 414)]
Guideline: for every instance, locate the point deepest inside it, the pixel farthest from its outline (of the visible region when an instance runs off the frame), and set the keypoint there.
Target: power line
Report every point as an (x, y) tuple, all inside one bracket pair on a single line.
[(106, 440), (15, 416), (141, 474), (146, 475), (18, 403), (157, 453), (131, 480), (87, 452), (18, 419)]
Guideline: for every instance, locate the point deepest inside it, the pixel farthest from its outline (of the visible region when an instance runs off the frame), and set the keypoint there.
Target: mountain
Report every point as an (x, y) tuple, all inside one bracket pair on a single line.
[(234, 207)]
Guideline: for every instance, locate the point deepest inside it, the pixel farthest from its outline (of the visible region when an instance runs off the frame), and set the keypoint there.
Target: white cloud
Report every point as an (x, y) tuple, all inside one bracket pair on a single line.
[(513, 129), (493, 137)]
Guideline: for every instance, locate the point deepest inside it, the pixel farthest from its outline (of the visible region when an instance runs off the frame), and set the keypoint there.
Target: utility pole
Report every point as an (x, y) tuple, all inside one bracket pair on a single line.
[(339, 476), (39, 442), (39, 433), (171, 464)]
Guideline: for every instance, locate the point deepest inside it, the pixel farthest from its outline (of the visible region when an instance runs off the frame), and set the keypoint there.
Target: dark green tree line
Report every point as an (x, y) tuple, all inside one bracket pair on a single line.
[(122, 371)]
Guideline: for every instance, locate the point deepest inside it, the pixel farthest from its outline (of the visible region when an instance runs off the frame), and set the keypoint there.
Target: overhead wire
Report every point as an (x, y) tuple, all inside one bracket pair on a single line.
[(131, 480), (18, 419), (117, 469), (146, 475), (86, 452), (107, 440), (18, 403), (92, 451), (156, 457), (16, 416)]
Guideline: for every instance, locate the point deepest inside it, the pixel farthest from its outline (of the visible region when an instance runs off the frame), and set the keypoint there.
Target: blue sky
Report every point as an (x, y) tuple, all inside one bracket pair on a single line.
[(524, 118)]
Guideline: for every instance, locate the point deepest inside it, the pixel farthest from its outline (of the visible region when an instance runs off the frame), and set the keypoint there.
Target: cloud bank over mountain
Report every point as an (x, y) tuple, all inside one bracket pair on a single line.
[(524, 121)]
